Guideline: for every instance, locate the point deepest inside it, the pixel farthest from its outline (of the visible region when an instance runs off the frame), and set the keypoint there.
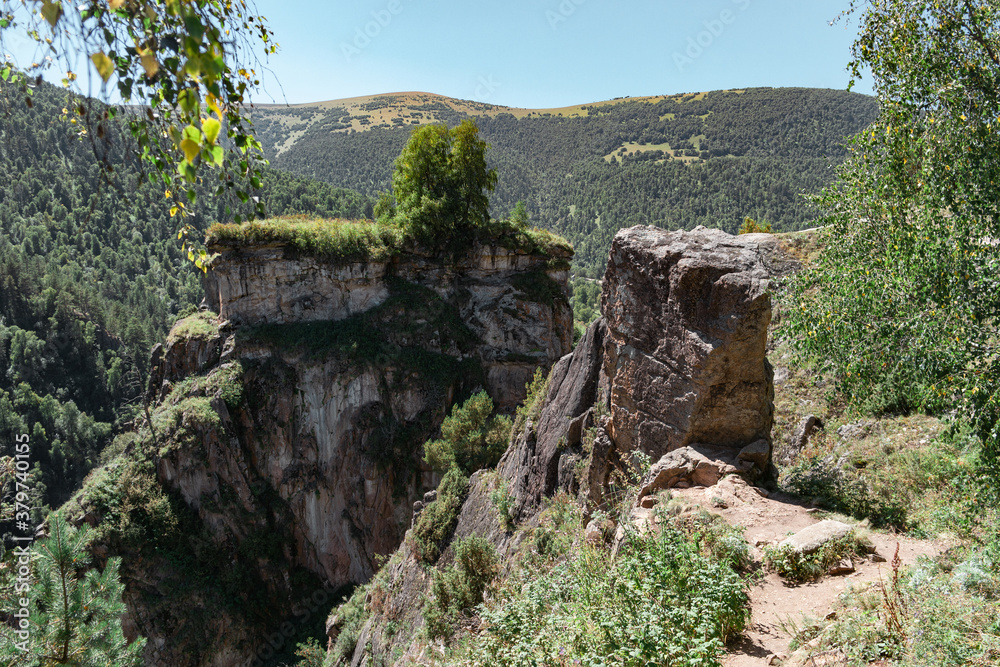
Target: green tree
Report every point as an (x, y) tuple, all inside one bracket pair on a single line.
[(904, 302), (75, 611), (471, 437), (441, 183), (182, 70)]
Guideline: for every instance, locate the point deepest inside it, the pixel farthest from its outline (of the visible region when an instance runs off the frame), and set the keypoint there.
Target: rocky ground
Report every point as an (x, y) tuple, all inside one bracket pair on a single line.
[(780, 608)]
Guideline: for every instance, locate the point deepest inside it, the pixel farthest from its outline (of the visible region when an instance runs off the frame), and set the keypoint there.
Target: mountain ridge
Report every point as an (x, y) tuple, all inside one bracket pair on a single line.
[(585, 171)]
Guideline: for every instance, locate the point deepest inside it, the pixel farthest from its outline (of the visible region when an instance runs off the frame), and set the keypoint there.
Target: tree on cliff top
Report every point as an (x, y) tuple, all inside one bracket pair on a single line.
[(904, 303), (441, 184), (182, 70)]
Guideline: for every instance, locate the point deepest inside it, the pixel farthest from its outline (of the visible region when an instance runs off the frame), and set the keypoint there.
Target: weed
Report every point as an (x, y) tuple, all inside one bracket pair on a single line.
[(459, 589), (797, 567), (437, 520), (659, 602), (503, 501), (351, 615)]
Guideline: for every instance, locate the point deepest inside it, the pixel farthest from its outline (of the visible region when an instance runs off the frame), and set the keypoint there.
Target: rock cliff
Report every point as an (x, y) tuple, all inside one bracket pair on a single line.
[(675, 368), (285, 449)]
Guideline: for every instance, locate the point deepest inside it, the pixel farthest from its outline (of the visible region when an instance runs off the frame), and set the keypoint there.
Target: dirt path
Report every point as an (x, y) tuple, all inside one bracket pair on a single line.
[(768, 521)]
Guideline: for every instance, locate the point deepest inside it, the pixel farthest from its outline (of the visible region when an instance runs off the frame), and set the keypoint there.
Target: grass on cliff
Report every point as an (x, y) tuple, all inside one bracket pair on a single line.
[(202, 324), (364, 240)]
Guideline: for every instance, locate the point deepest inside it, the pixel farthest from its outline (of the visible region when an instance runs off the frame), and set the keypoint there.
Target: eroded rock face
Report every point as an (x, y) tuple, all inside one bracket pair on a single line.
[(532, 464), (676, 368), (687, 316), (509, 299), (292, 429)]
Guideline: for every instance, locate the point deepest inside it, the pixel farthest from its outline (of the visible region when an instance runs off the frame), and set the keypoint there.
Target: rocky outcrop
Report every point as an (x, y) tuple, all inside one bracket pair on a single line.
[(687, 316), (512, 301), (675, 369), (677, 360), (287, 436)]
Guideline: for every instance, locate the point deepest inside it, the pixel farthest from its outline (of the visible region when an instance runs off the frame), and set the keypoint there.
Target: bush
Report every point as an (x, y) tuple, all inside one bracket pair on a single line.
[(438, 519), (797, 567), (353, 616), (536, 390), (843, 491), (471, 438), (751, 226), (460, 588), (503, 500), (660, 602)]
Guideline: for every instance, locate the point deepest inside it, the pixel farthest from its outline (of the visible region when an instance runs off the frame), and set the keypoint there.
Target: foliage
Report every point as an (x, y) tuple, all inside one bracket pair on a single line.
[(718, 540), (751, 226), (797, 567), (472, 437), (75, 610), (183, 72), (925, 615), (763, 146), (659, 602), (352, 614), (586, 300), (437, 521), (902, 306), (311, 653), (441, 183), (460, 587), (91, 277), (843, 489), (535, 392), (338, 239), (503, 500)]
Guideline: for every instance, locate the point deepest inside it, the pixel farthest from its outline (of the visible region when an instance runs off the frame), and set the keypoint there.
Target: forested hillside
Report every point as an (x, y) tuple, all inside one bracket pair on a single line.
[(585, 172), (91, 275)]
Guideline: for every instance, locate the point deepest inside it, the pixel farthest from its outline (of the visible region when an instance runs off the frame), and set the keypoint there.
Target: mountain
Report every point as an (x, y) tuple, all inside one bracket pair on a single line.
[(674, 161)]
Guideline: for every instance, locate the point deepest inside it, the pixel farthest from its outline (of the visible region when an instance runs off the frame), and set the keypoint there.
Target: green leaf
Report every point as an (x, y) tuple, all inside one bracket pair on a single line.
[(51, 11), (103, 64), (218, 155), (5, 73), (211, 128), (188, 100), (195, 28)]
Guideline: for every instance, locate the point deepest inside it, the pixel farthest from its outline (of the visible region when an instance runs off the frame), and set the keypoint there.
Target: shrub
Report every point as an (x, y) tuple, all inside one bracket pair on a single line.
[(751, 226), (843, 491), (659, 602), (438, 519), (718, 540), (460, 588), (536, 390), (471, 438), (503, 500), (353, 615), (797, 567)]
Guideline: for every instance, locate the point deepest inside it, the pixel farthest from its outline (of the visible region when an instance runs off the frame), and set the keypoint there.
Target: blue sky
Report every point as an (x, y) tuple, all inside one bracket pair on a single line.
[(551, 53)]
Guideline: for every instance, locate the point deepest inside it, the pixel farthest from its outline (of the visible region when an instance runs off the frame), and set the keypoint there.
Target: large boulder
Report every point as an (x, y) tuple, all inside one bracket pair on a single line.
[(687, 315)]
